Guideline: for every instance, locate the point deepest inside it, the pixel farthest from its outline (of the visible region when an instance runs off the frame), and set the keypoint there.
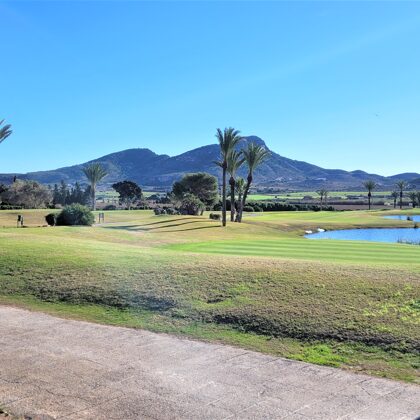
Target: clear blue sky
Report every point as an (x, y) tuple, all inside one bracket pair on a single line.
[(332, 83)]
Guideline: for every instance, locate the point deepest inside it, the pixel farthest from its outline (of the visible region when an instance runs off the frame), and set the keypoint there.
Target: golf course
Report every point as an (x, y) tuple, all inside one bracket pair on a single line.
[(258, 284)]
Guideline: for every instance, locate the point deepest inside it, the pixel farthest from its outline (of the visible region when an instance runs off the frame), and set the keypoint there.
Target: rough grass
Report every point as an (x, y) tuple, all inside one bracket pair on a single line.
[(263, 287)]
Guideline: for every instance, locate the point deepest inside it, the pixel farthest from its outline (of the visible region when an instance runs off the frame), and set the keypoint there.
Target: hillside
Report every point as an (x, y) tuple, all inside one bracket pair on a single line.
[(160, 171)]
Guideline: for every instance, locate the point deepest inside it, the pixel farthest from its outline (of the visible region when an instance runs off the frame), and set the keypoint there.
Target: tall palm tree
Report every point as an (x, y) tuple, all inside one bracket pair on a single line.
[(5, 131), (401, 185), (254, 155), (239, 188), (228, 140), (323, 196), (370, 186), (413, 198), (94, 172), (395, 196), (234, 162)]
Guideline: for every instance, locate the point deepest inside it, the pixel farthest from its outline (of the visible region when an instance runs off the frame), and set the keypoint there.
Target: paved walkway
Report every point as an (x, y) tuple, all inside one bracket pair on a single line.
[(77, 370)]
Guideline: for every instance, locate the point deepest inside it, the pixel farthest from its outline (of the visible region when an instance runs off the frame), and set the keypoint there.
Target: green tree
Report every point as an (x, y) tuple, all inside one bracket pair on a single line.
[(401, 185), (5, 131), (28, 194), (94, 173), (413, 198), (323, 196), (78, 195), (200, 184), (129, 193), (395, 196), (228, 140), (191, 205), (254, 155), (370, 186)]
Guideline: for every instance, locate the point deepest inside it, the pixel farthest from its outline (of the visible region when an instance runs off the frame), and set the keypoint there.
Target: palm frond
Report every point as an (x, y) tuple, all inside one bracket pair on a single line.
[(255, 155), (5, 131), (94, 172)]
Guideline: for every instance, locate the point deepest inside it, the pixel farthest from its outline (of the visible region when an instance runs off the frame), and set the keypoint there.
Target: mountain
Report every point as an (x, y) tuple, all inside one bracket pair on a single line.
[(160, 171)]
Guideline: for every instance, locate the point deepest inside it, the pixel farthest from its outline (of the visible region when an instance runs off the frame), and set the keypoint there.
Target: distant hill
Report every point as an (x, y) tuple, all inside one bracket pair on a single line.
[(160, 171)]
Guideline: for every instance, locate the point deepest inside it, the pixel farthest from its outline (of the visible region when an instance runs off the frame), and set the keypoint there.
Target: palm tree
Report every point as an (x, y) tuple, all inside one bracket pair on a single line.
[(401, 185), (395, 196), (228, 140), (234, 162), (254, 156), (323, 195), (370, 186), (413, 198), (5, 131), (240, 188), (418, 198), (94, 173)]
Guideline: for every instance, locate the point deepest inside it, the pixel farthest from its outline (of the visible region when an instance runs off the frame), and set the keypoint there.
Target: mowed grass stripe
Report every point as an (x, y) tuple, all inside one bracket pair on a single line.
[(331, 250)]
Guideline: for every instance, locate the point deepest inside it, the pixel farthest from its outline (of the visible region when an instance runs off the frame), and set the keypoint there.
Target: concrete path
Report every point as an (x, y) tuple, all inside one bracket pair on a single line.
[(77, 370)]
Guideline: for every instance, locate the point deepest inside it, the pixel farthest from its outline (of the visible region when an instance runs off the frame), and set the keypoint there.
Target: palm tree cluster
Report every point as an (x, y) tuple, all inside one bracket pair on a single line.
[(398, 193), (231, 160)]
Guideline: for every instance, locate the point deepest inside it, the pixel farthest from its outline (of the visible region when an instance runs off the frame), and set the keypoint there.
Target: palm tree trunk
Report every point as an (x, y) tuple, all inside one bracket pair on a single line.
[(93, 197), (246, 192), (401, 200), (239, 212), (369, 198), (232, 199), (224, 196)]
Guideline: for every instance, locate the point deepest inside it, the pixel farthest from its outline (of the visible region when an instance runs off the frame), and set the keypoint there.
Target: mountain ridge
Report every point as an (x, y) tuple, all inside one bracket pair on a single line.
[(149, 169)]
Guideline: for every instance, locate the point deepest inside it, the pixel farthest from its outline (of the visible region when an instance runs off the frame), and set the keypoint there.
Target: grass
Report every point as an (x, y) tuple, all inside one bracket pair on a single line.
[(259, 284)]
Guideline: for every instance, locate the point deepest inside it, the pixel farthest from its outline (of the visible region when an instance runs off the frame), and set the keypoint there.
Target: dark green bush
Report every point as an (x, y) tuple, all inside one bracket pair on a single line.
[(158, 211), (51, 219), (110, 207), (215, 216), (75, 215), (248, 209), (172, 211)]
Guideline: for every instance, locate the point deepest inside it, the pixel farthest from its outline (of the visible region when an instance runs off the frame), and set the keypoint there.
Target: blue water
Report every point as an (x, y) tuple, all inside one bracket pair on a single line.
[(415, 218), (374, 235)]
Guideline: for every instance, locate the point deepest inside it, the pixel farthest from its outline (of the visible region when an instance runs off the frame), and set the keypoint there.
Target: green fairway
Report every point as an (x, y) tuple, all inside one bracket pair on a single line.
[(348, 251), (258, 284)]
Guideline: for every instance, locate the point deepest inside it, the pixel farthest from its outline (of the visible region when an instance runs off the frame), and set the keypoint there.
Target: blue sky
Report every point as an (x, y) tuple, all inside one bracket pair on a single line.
[(333, 83)]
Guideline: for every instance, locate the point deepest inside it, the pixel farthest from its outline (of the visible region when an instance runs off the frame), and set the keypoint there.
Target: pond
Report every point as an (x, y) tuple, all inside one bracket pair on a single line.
[(414, 218), (393, 235)]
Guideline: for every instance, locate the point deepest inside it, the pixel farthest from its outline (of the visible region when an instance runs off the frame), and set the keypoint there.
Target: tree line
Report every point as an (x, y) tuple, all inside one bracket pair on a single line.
[(191, 195)]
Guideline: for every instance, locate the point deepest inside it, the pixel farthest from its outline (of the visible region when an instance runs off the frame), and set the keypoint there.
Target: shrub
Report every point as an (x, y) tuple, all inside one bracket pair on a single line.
[(191, 205), (51, 219), (159, 211), (248, 209), (215, 216), (75, 215), (110, 207), (171, 211)]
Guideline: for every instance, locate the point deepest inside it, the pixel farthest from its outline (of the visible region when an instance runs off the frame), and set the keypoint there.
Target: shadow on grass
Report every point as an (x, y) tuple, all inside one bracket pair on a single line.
[(185, 230), (147, 229)]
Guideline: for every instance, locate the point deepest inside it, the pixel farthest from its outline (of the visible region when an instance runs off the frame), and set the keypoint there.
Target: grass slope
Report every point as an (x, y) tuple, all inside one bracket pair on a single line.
[(258, 284)]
